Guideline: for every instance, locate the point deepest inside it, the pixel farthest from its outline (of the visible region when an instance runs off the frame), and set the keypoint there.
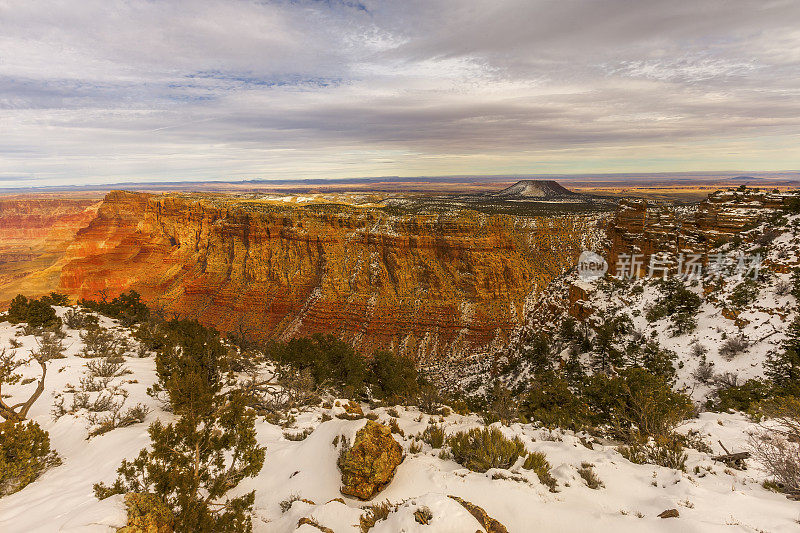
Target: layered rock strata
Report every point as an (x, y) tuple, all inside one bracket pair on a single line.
[(424, 285)]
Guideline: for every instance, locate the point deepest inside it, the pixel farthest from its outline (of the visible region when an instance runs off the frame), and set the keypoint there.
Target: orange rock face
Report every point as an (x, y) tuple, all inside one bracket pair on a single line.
[(34, 234), (424, 285)]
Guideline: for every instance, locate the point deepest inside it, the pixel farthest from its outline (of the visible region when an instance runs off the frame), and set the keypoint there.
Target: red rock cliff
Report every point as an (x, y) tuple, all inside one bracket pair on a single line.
[(426, 285), (34, 233)]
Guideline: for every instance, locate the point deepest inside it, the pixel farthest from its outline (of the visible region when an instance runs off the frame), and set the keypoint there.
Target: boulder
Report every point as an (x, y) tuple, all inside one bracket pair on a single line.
[(370, 463), (147, 513), (669, 513)]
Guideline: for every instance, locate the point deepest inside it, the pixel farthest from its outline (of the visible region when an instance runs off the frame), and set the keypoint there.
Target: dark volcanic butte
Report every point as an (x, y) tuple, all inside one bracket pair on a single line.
[(538, 189), (424, 285)]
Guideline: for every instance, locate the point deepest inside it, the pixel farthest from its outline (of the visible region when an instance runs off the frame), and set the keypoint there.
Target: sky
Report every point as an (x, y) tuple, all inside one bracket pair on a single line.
[(108, 91)]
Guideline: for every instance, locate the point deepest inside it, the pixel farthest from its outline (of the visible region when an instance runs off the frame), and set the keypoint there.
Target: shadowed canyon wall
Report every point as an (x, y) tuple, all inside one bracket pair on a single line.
[(425, 285)]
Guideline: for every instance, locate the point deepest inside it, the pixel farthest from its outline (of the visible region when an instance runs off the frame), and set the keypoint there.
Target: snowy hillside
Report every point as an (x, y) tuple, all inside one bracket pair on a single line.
[(739, 323), (300, 479)]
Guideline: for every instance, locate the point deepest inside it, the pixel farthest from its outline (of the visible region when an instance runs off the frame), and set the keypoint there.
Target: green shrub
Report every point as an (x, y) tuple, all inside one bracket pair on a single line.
[(792, 204), (606, 341), (662, 451), (741, 397), (193, 462), (636, 402), (56, 298), (586, 471), (538, 352), (482, 449), (24, 454), (537, 462), (551, 402), (37, 313), (128, 308), (658, 361), (678, 303), (101, 342), (743, 294), (331, 361), (393, 377), (783, 367), (433, 435)]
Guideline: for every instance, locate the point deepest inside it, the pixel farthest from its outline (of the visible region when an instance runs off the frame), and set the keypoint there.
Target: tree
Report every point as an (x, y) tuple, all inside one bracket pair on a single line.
[(195, 461), (679, 304), (193, 464), (537, 353), (393, 377), (188, 366), (659, 361), (551, 401), (502, 405), (24, 454), (37, 313), (796, 280), (49, 348), (56, 298), (18, 309), (128, 307), (573, 369), (783, 367), (637, 402), (607, 333), (332, 361)]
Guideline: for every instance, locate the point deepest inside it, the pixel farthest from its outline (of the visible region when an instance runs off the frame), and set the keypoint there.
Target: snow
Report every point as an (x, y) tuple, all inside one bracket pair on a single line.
[(709, 496)]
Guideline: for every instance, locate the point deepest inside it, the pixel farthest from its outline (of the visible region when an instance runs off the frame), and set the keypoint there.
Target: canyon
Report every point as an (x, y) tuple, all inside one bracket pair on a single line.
[(35, 232), (428, 285), (647, 228)]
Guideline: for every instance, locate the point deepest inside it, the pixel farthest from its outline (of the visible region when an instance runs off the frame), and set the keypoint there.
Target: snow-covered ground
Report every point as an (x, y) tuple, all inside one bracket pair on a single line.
[(761, 322), (709, 496)]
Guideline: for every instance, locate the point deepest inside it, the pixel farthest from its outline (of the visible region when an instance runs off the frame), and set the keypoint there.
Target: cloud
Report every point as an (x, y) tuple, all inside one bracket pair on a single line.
[(110, 90)]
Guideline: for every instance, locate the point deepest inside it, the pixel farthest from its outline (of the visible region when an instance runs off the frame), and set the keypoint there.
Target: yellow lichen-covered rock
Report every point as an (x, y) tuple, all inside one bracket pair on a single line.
[(147, 513), (370, 463)]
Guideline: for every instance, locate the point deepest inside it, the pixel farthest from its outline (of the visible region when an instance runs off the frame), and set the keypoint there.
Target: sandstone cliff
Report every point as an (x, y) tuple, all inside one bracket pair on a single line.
[(34, 234), (642, 228), (426, 285)]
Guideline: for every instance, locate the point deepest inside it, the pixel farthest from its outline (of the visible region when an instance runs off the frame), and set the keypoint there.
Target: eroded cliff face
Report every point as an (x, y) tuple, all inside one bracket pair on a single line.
[(34, 234), (427, 285), (646, 229)]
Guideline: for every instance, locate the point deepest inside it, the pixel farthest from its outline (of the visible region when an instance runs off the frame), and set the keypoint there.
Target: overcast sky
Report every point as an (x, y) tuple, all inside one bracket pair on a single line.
[(98, 91)]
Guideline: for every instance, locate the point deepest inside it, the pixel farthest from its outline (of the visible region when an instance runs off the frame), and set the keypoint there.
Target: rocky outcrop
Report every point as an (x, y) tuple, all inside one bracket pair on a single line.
[(669, 513), (642, 228), (370, 463), (422, 285), (305, 521), (489, 524)]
